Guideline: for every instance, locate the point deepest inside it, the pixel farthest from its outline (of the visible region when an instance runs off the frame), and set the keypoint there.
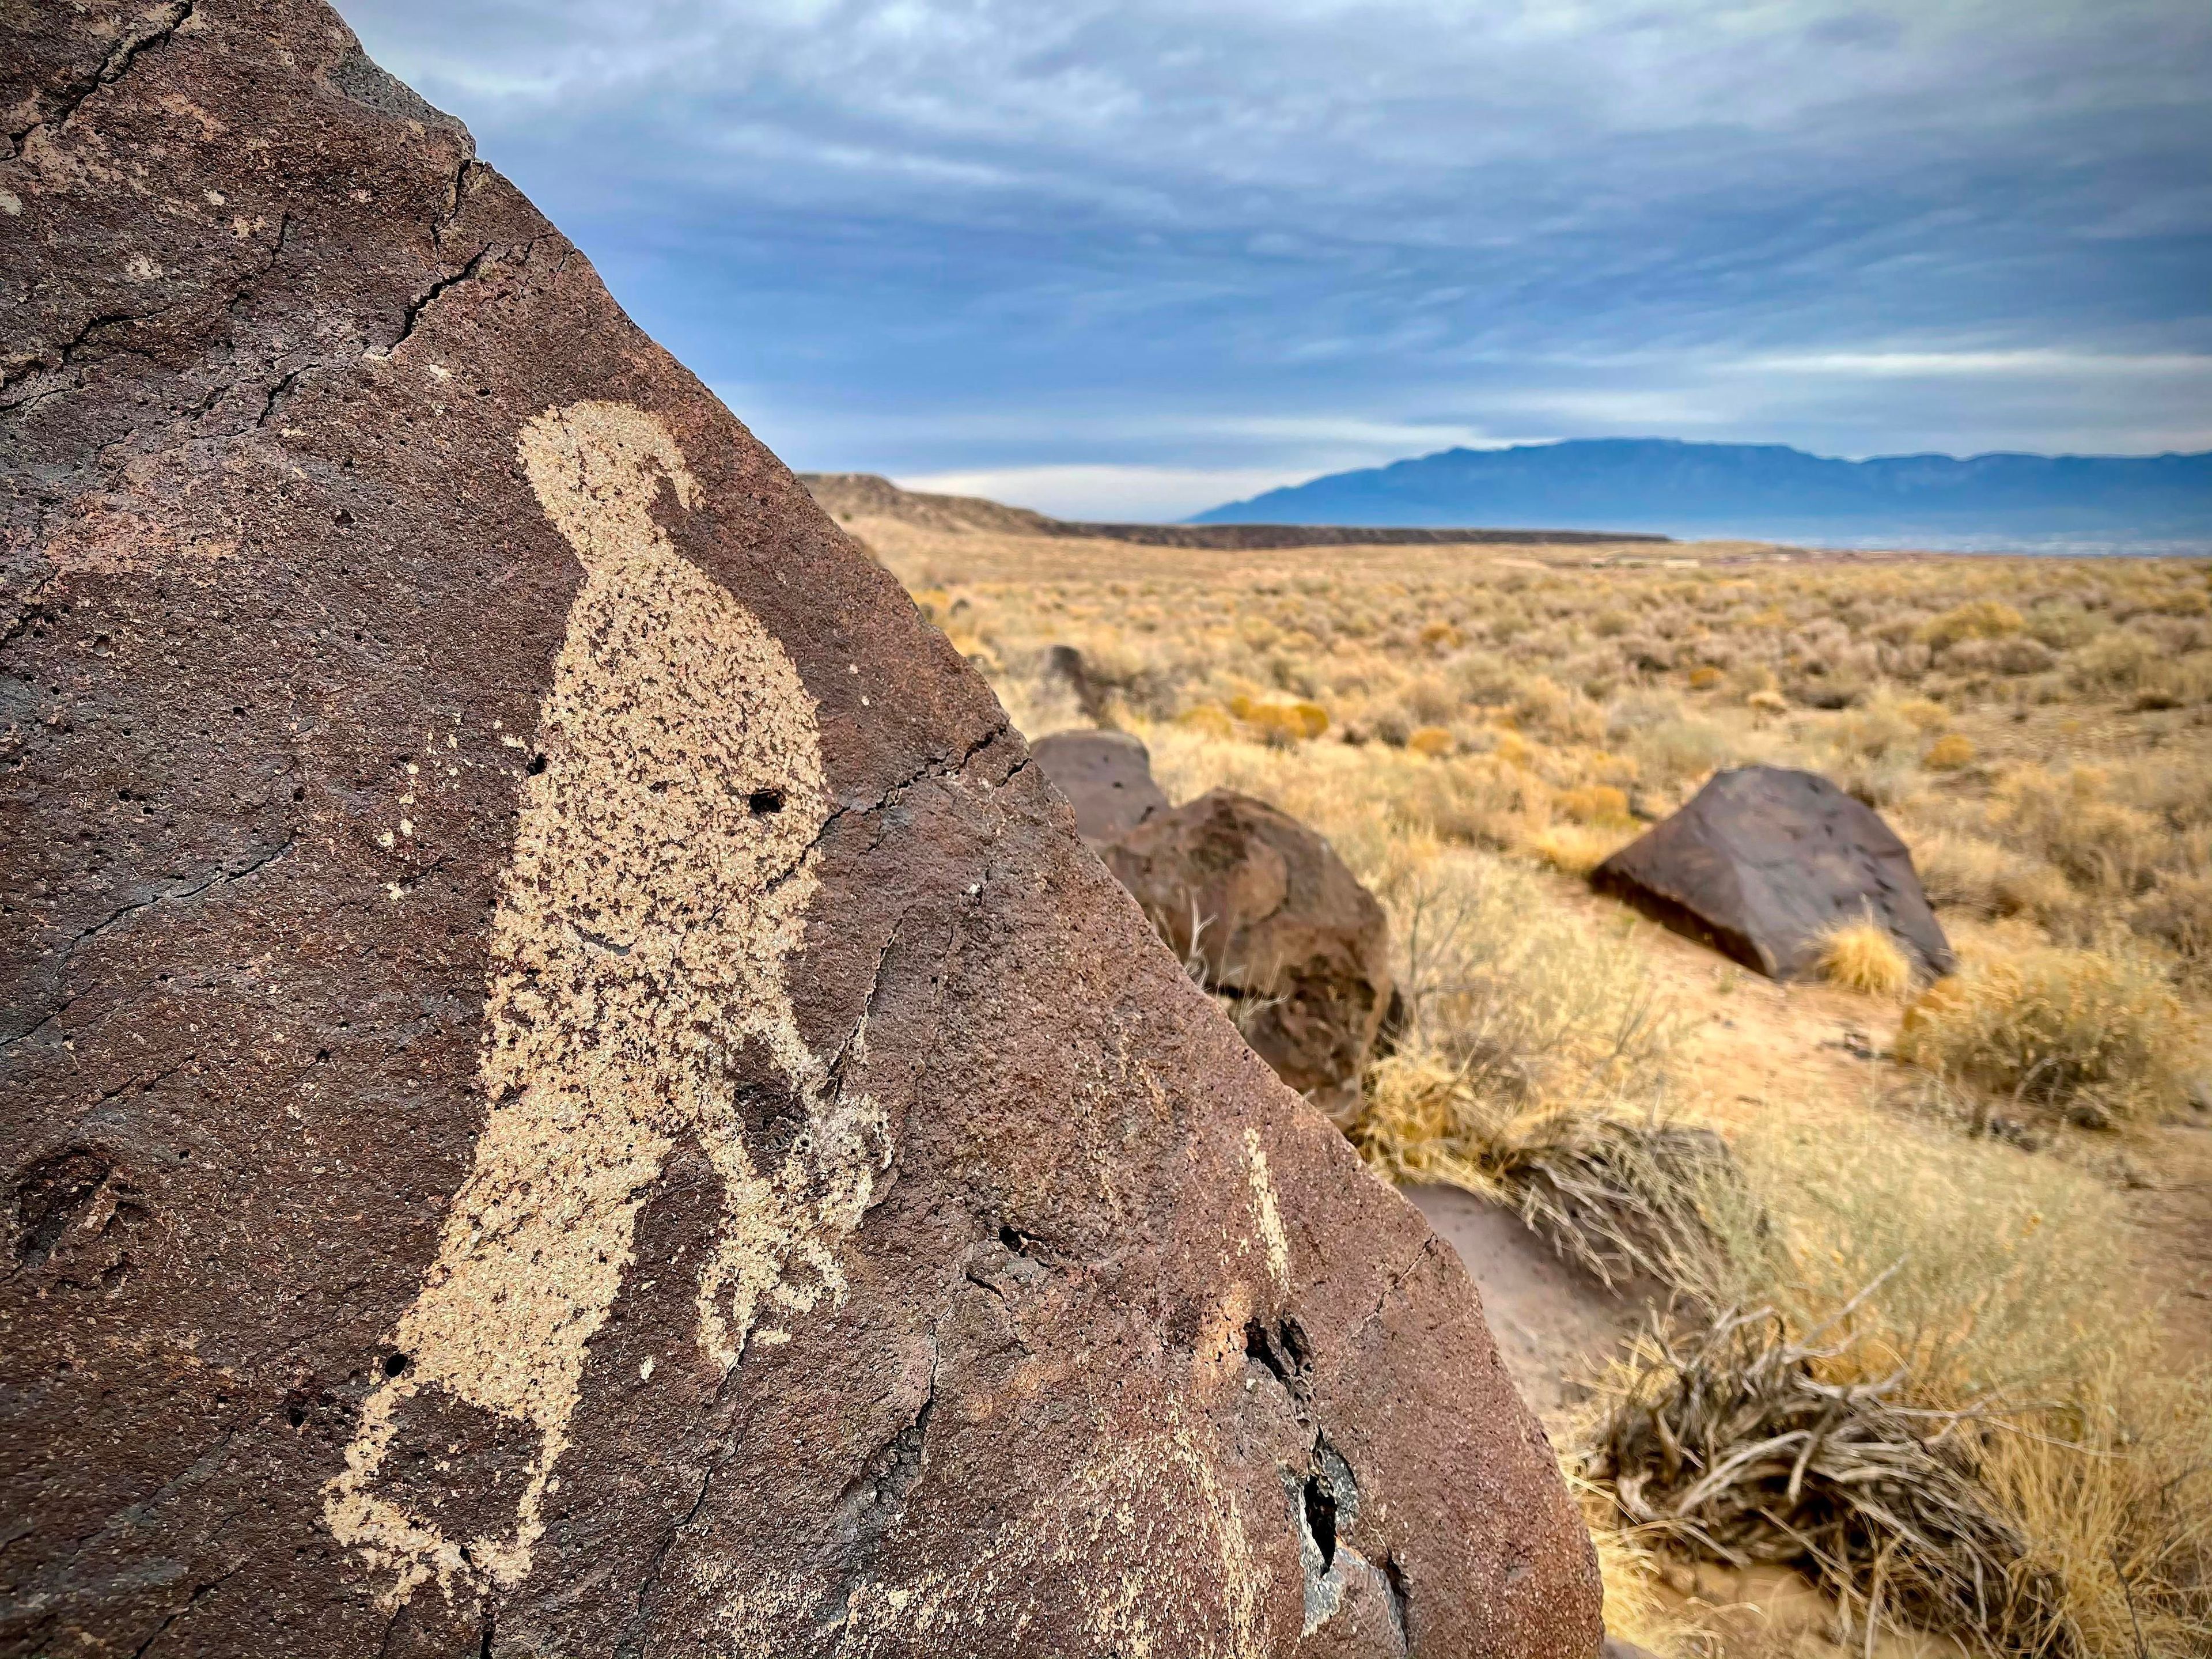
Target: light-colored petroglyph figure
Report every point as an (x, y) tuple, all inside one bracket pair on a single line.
[(662, 874)]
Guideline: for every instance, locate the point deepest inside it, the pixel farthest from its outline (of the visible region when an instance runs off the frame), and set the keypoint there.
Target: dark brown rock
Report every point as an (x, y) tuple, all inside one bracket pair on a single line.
[(1278, 923), (1763, 860), (1106, 778), (567, 1086)]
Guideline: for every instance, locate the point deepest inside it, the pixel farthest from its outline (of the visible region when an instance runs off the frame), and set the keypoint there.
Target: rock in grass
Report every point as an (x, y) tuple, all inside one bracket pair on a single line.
[(568, 1089), (1106, 777), (1278, 923), (1764, 862)]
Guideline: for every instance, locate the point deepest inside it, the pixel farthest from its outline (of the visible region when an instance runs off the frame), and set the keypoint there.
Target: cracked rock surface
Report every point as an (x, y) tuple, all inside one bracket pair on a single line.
[(566, 1086)]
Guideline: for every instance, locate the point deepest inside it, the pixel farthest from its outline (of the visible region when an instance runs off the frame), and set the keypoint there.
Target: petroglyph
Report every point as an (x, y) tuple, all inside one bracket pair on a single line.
[(1270, 1212), (662, 874), (1144, 1536)]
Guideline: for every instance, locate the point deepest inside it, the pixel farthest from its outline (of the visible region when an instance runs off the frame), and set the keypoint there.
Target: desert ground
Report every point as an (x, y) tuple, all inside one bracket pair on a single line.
[(1948, 1246)]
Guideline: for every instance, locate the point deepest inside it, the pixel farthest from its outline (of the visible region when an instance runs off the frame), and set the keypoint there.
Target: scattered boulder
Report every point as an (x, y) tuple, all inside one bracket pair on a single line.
[(1278, 923), (1763, 860), (565, 1088), (1106, 777)]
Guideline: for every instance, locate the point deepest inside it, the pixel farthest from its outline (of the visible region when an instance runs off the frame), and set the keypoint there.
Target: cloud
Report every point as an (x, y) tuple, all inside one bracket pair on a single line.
[(1911, 365), (933, 236)]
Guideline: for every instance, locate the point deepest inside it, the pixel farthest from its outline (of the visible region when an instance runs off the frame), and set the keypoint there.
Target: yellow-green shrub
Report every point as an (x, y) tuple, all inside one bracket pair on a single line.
[(1976, 619), (1948, 753), (2098, 1035), (1594, 804)]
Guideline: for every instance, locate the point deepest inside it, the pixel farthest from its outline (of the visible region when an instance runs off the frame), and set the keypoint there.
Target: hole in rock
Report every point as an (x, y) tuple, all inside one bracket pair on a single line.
[(394, 1364), (1257, 1347), (763, 802), (1321, 1519)]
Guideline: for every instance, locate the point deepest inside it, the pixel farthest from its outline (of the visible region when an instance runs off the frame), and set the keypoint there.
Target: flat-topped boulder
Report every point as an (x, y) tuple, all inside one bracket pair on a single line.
[(568, 1088), (1763, 860), (1106, 778)]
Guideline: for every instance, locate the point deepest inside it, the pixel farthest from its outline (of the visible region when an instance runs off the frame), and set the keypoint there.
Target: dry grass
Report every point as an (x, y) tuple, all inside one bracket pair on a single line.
[(2096, 1035), (1728, 1439), (1633, 1201), (1861, 955), (1576, 849), (1922, 1404), (2117, 1494), (1534, 1070), (2079, 1528)]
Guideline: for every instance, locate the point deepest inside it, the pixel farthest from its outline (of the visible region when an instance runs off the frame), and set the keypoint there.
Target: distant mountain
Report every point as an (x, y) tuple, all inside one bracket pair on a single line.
[(854, 498), (1766, 491)]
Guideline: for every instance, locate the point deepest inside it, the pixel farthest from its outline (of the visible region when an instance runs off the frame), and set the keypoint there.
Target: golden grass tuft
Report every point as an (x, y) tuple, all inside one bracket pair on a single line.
[(1863, 956), (1948, 753), (1281, 723), (1207, 718), (1578, 849), (1601, 804), (1976, 619), (2096, 1035)]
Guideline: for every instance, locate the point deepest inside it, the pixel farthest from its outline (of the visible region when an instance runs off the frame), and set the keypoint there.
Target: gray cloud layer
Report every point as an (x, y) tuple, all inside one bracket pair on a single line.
[(1144, 256)]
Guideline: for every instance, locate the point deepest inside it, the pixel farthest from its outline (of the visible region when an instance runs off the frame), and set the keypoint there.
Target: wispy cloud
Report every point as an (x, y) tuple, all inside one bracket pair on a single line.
[(967, 236), (2034, 362)]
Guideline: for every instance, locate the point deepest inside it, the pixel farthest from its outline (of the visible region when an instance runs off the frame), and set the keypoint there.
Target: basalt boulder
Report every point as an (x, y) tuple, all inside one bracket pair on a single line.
[(1764, 860), (1277, 924), (567, 1086), (1106, 778)]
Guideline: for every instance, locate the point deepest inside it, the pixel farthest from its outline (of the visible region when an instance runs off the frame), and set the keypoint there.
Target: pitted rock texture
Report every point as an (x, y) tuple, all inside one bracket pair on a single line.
[(1764, 860), (567, 1087), (1278, 923), (1106, 778)]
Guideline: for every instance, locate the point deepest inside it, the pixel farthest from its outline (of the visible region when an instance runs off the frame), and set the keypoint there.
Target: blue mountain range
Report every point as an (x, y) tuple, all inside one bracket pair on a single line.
[(1769, 492)]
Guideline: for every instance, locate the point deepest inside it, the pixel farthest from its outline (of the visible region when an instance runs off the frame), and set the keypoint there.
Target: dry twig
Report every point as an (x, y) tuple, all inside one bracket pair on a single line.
[(1728, 1439)]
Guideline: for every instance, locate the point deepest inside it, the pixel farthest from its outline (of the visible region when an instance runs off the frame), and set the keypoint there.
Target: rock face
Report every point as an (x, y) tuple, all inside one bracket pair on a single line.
[(1280, 925), (1763, 858), (1106, 778), (568, 1089)]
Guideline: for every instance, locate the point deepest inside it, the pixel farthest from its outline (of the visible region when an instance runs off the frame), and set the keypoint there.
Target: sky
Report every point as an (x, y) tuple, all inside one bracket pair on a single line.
[(1133, 260)]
